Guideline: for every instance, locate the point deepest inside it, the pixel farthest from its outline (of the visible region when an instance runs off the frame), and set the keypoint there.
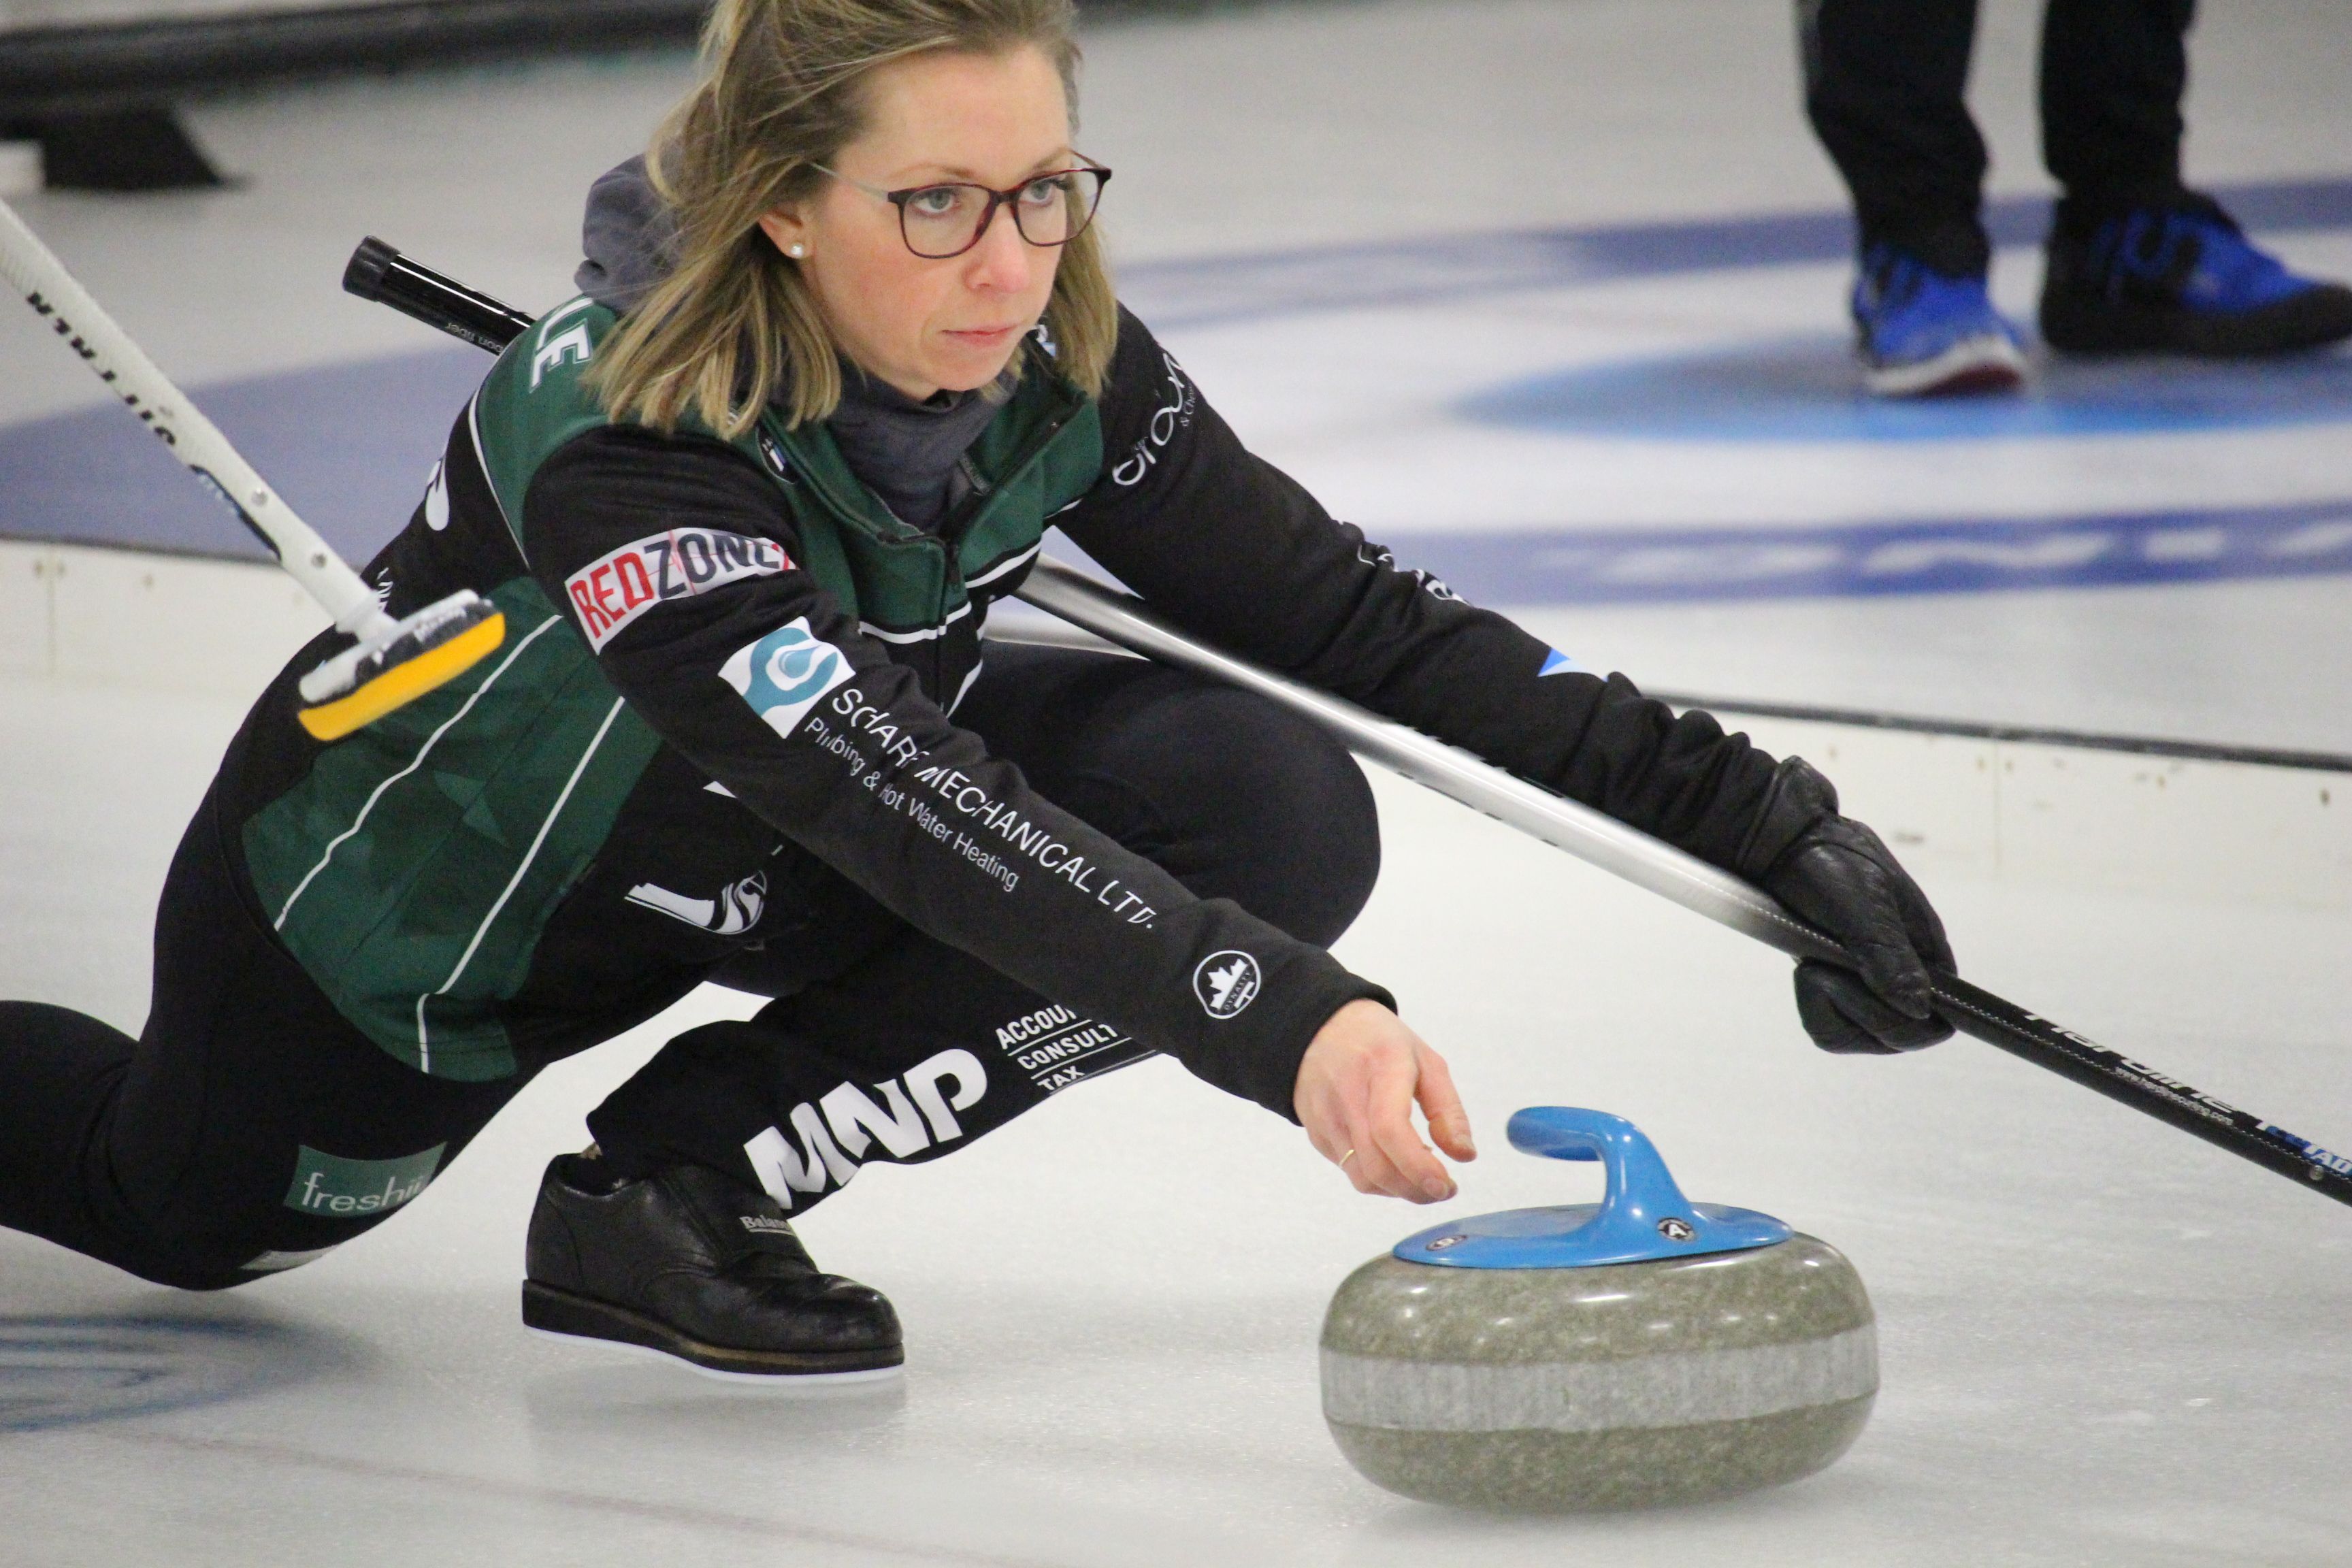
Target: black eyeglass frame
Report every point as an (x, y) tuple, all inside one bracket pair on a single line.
[(900, 198)]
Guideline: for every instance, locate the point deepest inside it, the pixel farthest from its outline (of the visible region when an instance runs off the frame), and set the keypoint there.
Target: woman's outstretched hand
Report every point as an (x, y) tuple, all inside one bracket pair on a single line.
[(1355, 1095)]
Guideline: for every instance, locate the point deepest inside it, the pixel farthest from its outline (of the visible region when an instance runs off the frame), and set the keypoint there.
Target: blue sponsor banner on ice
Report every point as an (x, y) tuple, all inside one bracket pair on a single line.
[(1869, 559)]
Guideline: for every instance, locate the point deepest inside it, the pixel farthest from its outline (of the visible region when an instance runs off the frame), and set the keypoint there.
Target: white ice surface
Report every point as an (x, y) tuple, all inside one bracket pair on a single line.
[(1266, 130), (1391, 120), (2252, 664), (2104, 1343)]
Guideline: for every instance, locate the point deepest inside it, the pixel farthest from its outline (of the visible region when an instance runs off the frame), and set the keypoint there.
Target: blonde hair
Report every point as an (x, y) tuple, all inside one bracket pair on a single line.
[(734, 325)]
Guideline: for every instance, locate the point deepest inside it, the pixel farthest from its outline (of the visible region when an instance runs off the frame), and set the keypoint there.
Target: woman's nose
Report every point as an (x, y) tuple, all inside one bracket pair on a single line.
[(1002, 260)]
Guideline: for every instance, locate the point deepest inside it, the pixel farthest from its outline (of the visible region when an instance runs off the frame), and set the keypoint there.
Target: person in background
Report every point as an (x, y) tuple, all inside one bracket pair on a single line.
[(2136, 262)]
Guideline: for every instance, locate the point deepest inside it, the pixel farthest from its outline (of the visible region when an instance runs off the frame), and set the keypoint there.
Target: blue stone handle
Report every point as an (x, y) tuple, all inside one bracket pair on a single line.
[(1641, 1192), (1644, 1217)]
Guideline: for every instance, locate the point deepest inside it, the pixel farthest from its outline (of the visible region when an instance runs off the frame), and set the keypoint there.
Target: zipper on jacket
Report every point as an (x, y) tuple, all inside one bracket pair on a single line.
[(958, 524)]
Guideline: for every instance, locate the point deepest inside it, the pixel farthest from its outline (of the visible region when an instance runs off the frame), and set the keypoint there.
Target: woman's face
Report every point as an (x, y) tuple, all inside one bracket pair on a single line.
[(923, 325)]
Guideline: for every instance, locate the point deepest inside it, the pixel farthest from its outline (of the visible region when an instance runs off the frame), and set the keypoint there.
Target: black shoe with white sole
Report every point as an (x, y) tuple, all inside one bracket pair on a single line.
[(2182, 279), (689, 1263)]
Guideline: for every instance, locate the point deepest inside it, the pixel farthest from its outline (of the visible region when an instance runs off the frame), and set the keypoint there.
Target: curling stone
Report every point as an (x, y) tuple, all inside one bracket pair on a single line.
[(1643, 1351)]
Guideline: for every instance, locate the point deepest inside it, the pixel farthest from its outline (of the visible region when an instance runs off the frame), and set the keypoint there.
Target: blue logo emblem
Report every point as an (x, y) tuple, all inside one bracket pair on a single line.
[(791, 666), (783, 674)]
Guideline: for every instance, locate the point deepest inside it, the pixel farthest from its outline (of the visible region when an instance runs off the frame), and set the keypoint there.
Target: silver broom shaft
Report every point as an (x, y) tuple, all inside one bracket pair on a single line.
[(1604, 842), (1704, 890), (1564, 824)]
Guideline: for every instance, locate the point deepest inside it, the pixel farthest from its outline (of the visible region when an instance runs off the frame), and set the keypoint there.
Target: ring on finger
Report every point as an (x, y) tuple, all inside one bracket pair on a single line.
[(1346, 1157)]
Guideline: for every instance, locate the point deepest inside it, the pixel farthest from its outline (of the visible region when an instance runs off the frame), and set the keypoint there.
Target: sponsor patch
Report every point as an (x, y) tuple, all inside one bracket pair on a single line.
[(736, 909), (613, 590), (338, 1188), (824, 1140), (1057, 1047), (1372, 555), (1174, 413), (772, 452), (573, 345), (786, 673), (1226, 983)]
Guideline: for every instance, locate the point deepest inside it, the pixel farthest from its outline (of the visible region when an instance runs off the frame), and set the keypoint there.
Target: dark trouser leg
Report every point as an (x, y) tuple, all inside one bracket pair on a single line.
[(895, 1059), (248, 1124), (2136, 262), (2112, 73), (1235, 798), (917, 1048), (1883, 88), (61, 1074)]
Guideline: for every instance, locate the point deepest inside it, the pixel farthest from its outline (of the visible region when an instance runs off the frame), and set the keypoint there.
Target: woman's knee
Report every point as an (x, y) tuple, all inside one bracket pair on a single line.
[(1281, 817)]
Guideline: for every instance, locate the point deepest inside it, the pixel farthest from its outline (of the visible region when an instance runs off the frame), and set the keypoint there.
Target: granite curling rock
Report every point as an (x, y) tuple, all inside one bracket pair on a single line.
[(1643, 1351)]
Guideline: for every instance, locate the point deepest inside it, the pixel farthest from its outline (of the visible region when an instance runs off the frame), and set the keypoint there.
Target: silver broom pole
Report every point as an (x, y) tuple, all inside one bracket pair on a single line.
[(379, 272), (1650, 863)]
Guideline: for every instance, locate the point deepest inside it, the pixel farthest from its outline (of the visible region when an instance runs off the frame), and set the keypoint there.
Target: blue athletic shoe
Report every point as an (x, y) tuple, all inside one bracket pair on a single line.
[(2182, 280), (1922, 333)]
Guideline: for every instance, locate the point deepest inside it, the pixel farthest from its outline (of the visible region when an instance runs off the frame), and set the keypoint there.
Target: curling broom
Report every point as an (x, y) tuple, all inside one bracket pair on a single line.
[(381, 274), (390, 662)]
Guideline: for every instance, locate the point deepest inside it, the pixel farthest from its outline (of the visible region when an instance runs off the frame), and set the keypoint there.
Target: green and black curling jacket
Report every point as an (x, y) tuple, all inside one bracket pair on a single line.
[(729, 668)]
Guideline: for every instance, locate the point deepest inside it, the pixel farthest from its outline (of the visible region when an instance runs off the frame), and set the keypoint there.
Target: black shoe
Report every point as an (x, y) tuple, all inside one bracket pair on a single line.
[(687, 1262), (2182, 280)]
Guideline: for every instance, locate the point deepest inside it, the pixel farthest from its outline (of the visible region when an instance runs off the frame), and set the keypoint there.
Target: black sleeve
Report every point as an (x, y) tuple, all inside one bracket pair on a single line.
[(675, 558), (1231, 549)]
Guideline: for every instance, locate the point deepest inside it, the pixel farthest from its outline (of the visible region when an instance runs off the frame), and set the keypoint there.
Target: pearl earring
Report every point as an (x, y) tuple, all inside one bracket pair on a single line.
[(797, 251)]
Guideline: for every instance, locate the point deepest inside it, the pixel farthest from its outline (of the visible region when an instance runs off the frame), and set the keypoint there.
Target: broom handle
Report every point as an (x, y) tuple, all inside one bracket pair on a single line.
[(35, 273), (1661, 868), (1603, 841)]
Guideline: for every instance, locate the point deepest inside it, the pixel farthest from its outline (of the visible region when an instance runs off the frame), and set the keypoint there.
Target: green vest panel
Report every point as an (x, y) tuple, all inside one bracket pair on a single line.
[(414, 867)]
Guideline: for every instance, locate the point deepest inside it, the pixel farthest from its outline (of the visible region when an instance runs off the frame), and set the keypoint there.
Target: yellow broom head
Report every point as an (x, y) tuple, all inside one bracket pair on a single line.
[(435, 648)]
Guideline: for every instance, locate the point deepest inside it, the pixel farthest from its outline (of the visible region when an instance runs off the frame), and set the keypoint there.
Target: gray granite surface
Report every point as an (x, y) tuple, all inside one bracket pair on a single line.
[(1626, 1385)]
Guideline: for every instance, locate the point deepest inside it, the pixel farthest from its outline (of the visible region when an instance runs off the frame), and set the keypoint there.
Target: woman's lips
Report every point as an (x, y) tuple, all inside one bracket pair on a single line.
[(983, 337)]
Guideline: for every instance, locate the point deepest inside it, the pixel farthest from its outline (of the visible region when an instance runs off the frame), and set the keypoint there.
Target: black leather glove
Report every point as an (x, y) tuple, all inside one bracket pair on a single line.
[(1835, 872)]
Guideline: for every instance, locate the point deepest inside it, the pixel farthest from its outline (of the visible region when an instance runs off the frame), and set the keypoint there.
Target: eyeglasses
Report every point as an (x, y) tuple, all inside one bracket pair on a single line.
[(944, 220)]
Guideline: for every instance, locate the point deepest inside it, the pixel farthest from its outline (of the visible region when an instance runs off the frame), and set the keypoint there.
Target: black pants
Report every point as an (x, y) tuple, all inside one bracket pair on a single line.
[(1883, 86), (250, 1127)]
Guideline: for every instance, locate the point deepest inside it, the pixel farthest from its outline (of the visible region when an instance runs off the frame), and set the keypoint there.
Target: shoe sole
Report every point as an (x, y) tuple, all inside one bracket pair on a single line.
[(1980, 365), (2310, 321), (551, 1311), (795, 1383)]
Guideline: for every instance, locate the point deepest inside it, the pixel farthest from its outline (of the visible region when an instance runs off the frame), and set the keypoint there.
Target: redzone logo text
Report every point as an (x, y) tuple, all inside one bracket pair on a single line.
[(613, 590)]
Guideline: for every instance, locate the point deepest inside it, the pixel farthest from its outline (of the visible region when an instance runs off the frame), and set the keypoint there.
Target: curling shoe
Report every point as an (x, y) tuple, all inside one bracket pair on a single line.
[(2182, 279), (690, 1263), (1922, 333)]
